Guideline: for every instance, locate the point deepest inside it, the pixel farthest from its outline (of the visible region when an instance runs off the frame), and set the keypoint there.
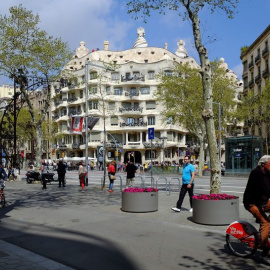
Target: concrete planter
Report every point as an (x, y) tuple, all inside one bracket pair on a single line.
[(139, 202), (220, 212)]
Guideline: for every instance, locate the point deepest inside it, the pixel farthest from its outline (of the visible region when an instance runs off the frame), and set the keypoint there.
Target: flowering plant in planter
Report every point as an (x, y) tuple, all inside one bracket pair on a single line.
[(214, 197), (137, 189)]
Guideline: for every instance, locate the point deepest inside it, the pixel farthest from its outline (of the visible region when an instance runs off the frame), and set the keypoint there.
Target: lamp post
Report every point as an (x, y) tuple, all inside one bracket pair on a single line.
[(163, 138), (87, 64)]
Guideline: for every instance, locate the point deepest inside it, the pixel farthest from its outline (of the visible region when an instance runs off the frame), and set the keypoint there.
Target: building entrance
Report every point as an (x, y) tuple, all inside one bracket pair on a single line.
[(135, 155)]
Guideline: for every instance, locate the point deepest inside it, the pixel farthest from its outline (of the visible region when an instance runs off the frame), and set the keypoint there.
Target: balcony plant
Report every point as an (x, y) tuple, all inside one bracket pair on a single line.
[(215, 209), (140, 200)]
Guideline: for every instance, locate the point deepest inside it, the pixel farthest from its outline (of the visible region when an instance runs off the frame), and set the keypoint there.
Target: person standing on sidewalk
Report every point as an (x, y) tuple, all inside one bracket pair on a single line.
[(187, 185), (61, 170), (130, 169), (81, 174), (111, 174)]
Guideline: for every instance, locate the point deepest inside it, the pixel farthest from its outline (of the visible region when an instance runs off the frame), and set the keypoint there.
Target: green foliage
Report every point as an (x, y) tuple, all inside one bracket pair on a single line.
[(182, 95), (24, 45), (146, 6), (244, 49)]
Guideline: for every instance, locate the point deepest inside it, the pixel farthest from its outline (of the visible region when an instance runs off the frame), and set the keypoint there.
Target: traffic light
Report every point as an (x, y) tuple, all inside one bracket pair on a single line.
[(116, 153)]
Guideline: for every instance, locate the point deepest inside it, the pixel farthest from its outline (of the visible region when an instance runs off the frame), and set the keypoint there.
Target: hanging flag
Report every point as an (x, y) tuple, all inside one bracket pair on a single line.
[(76, 124)]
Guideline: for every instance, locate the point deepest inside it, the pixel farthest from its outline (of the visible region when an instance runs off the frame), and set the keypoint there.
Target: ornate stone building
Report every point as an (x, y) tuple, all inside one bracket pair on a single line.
[(123, 99)]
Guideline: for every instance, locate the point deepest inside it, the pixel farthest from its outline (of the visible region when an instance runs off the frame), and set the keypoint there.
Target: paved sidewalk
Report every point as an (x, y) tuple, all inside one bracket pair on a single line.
[(13, 257)]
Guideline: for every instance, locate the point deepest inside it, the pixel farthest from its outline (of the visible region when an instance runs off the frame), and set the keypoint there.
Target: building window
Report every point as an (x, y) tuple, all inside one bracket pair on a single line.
[(170, 136), (145, 90), (108, 90), (150, 105), (115, 76), (148, 154), (111, 106), (151, 120), (118, 91), (93, 89), (151, 75), (168, 73), (245, 66), (114, 121), (136, 75), (93, 105), (133, 91), (81, 94), (95, 136), (130, 121), (169, 120), (128, 76), (93, 75)]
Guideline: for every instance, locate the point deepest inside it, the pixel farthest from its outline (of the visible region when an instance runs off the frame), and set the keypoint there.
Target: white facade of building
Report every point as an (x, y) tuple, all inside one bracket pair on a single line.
[(123, 99)]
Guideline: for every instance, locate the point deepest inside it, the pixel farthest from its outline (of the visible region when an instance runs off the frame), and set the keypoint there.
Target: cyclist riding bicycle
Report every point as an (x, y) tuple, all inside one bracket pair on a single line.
[(256, 199)]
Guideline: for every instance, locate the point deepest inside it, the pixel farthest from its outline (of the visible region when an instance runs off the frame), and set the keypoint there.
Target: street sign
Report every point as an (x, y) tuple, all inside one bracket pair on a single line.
[(151, 133)]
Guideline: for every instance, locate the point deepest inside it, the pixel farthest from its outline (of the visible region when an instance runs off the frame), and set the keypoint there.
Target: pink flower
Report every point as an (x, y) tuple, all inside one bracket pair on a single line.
[(137, 189), (214, 197)]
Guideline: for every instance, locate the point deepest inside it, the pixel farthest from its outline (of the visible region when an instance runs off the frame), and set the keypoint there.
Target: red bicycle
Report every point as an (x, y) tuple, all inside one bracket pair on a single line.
[(242, 239)]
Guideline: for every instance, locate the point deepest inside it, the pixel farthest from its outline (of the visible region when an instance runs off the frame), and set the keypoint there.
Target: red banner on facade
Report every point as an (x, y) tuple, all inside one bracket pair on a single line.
[(76, 124)]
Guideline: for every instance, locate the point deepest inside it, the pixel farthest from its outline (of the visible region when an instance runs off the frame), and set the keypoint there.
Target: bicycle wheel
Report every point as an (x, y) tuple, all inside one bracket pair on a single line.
[(244, 247)]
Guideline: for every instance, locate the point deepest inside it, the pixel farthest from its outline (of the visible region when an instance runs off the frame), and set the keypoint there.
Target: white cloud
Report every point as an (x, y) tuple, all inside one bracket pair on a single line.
[(81, 20)]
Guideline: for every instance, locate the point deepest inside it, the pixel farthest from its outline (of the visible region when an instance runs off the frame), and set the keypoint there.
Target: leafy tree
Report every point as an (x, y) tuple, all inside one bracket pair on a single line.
[(189, 9), (25, 47), (182, 95)]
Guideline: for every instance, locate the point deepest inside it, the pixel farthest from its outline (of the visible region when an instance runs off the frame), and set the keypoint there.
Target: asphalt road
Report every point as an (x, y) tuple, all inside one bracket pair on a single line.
[(89, 231)]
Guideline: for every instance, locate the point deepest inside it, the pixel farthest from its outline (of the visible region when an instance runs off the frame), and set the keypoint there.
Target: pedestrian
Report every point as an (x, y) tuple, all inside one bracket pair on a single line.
[(3, 175), (11, 172), (187, 184), (111, 175), (257, 200), (131, 169), (81, 174), (61, 170), (43, 175)]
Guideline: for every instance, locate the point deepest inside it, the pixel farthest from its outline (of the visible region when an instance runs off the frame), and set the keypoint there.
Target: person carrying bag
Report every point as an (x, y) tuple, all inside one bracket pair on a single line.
[(111, 174)]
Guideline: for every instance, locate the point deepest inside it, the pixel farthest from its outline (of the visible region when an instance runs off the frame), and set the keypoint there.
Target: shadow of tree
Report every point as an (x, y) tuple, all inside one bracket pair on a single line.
[(229, 261)]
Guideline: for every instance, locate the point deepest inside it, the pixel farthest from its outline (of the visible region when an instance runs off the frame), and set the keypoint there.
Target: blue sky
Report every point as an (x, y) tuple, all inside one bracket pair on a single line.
[(95, 21)]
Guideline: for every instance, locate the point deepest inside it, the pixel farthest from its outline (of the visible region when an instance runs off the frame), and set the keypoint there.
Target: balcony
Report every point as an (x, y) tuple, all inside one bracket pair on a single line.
[(130, 109), (135, 78), (265, 52), (154, 145), (75, 146), (55, 117), (258, 78), (72, 99), (251, 83), (138, 124), (251, 64), (131, 94), (258, 59), (265, 72)]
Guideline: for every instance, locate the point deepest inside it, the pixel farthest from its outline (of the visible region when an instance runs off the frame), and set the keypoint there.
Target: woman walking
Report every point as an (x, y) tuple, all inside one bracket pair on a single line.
[(111, 174)]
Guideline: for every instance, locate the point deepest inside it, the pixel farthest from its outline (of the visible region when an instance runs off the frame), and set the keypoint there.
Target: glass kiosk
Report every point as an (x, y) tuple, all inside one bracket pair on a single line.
[(242, 153)]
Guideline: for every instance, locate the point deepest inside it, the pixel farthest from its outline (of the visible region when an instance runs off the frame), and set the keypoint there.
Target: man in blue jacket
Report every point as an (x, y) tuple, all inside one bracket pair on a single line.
[(3, 174), (187, 186)]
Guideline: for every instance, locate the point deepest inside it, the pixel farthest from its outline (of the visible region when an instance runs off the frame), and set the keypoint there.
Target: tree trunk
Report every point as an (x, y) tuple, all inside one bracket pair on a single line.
[(39, 146), (201, 155), (215, 182)]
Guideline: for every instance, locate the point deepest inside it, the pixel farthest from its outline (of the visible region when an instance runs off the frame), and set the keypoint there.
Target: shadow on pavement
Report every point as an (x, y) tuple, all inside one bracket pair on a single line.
[(223, 254)]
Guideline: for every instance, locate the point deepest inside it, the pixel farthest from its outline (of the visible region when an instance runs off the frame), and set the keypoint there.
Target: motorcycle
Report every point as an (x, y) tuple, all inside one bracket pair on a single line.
[(36, 176)]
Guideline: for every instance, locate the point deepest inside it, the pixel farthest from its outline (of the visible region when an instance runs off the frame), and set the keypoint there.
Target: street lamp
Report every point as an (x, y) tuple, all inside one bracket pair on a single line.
[(163, 138), (87, 64)]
